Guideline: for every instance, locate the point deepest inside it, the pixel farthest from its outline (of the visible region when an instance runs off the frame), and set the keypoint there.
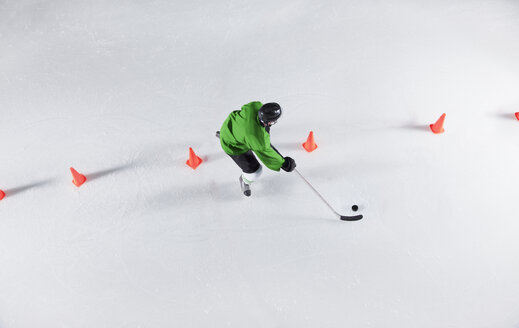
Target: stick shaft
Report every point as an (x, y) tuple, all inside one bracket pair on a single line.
[(318, 194)]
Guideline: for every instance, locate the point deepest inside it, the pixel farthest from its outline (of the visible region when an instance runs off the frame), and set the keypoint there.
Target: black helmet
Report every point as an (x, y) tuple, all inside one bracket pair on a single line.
[(269, 113)]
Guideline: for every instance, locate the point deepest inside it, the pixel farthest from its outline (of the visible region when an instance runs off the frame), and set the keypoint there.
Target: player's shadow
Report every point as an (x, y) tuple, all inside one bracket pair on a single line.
[(271, 184), (14, 191), (102, 173)]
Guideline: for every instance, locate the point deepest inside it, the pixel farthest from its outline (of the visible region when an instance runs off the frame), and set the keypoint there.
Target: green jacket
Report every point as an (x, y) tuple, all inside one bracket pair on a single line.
[(242, 131)]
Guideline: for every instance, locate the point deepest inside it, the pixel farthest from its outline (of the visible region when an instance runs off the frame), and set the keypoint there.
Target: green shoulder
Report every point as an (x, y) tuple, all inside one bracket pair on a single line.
[(254, 105)]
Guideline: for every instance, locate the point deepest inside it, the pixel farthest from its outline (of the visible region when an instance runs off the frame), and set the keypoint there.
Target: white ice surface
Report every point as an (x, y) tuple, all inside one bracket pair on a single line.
[(120, 89)]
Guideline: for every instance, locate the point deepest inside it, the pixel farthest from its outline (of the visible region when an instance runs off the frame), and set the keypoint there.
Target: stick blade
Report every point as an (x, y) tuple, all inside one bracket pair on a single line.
[(351, 218)]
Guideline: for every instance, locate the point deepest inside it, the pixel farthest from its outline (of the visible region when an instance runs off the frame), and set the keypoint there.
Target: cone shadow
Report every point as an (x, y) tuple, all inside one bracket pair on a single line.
[(417, 127), (99, 174), (507, 116), (21, 189)]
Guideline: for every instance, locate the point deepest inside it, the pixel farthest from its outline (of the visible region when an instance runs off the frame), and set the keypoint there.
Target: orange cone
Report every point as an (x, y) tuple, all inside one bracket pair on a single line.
[(517, 115), (437, 127), (79, 179), (193, 160), (2, 195), (310, 145)]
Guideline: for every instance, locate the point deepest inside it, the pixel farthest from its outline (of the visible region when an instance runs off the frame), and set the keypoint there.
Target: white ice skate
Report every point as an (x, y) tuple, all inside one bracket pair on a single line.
[(245, 188)]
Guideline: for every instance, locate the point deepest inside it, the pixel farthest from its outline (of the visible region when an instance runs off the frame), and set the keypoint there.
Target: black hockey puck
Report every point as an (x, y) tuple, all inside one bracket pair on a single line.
[(355, 208)]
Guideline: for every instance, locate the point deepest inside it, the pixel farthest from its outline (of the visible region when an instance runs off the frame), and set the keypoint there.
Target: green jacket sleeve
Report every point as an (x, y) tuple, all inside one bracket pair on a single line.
[(268, 155)]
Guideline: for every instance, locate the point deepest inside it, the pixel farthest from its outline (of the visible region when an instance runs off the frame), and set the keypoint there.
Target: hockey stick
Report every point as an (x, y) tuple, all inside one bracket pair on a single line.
[(342, 217)]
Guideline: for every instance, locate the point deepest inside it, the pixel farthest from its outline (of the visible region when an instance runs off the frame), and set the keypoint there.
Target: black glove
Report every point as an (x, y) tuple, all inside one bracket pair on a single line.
[(289, 165)]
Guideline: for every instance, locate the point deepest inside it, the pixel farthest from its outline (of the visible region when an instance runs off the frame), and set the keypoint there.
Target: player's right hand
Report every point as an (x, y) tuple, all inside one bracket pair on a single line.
[(289, 165)]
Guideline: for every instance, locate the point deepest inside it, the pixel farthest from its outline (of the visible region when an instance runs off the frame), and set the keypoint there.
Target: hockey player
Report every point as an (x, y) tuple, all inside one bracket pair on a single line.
[(246, 132)]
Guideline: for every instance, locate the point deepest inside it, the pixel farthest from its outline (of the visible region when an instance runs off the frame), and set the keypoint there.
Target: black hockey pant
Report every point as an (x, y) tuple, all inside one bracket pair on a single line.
[(247, 162)]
